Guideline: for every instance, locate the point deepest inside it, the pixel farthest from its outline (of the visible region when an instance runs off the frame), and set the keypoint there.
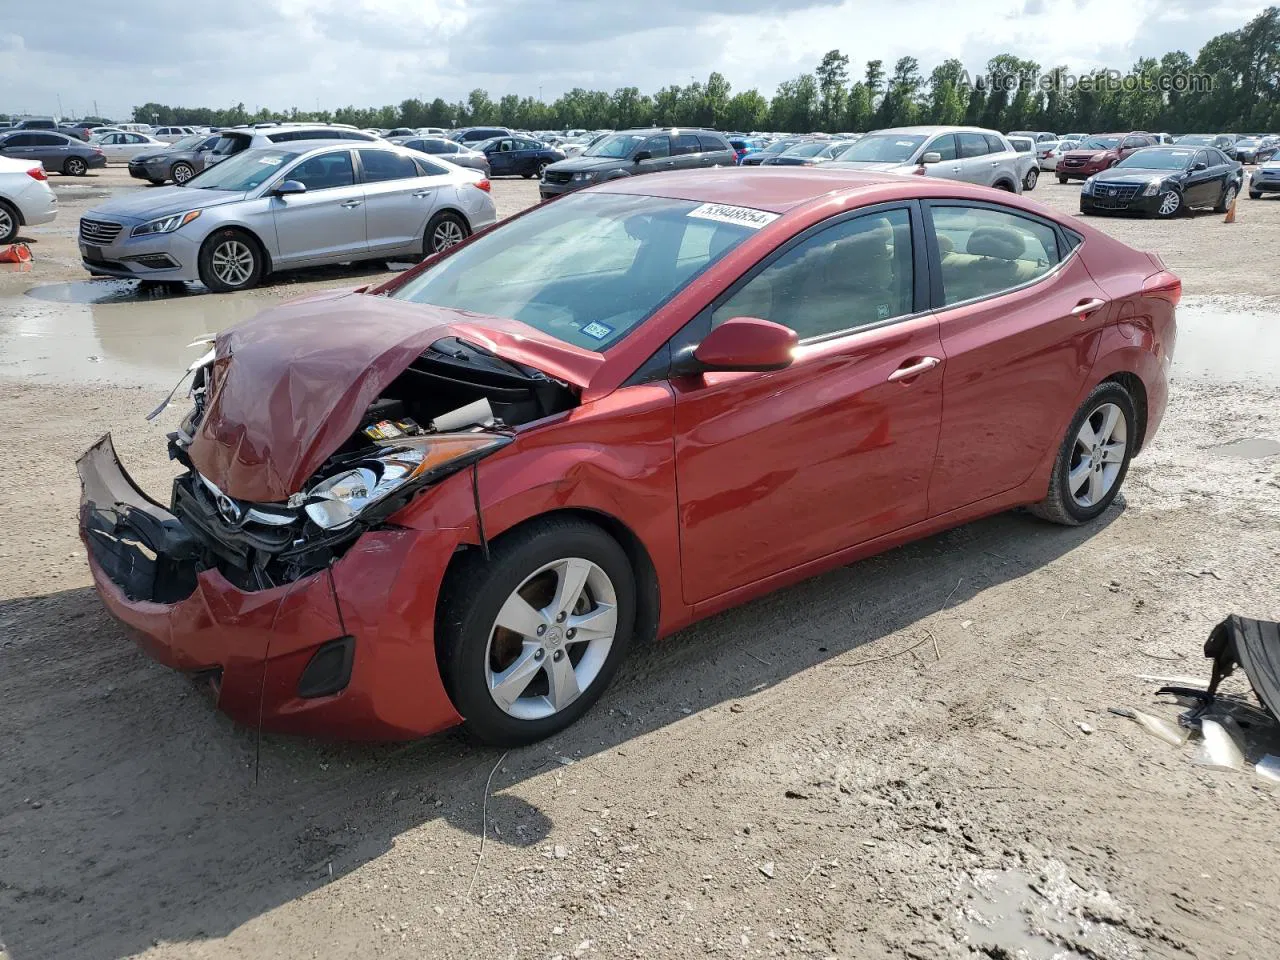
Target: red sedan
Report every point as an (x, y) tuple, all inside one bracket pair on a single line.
[(462, 495)]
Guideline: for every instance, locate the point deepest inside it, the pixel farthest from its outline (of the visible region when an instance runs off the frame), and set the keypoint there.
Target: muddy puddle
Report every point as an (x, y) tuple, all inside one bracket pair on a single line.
[(1232, 344)]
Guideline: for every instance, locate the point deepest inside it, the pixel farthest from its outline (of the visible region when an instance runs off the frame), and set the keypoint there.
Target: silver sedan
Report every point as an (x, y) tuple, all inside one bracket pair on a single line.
[(299, 204)]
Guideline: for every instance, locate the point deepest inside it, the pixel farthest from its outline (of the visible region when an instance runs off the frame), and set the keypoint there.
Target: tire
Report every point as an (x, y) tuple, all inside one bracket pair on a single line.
[(74, 167), (9, 221), (230, 260), (1005, 185), (1031, 179), (444, 230), (1228, 196), (1062, 179), (1089, 500), (1255, 195), (181, 173), (1170, 205), (528, 567), (154, 182)]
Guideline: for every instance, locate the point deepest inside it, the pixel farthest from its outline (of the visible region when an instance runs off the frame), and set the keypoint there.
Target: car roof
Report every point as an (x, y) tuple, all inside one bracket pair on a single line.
[(776, 190), (926, 130)]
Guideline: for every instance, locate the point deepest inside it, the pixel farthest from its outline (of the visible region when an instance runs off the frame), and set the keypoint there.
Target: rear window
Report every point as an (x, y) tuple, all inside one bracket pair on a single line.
[(712, 142), (230, 143), (685, 143)]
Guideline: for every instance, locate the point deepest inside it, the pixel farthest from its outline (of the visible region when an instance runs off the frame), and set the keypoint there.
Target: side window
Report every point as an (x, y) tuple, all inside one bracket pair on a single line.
[(972, 145), (49, 140), (1203, 156), (850, 275), (985, 251), (429, 168), (21, 140), (659, 146), (1218, 157), (136, 138), (944, 146), (325, 171), (685, 143), (1133, 143), (993, 143), (382, 165), (710, 142)]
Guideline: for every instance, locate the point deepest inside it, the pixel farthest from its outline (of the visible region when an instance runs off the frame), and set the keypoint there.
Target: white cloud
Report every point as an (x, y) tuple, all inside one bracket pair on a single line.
[(284, 53)]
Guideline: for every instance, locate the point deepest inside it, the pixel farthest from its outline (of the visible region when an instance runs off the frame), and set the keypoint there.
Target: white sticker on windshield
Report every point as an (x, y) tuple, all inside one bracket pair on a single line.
[(271, 161), (727, 213)]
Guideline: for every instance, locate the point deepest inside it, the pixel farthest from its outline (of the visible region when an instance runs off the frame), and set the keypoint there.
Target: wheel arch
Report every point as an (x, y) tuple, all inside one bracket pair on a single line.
[(17, 211), (267, 265), (1137, 390)]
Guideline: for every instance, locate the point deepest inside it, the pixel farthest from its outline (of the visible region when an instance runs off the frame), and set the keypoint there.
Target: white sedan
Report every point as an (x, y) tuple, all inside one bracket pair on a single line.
[(123, 147), (25, 197)]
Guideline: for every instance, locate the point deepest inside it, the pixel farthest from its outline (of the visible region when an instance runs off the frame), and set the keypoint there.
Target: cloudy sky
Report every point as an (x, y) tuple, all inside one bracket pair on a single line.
[(284, 53)]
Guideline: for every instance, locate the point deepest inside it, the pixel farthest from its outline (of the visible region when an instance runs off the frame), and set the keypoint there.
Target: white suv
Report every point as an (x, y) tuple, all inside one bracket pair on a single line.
[(235, 140), (972, 154)]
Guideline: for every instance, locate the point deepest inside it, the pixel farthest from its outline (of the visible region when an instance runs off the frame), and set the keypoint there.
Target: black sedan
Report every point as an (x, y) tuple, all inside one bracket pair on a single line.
[(516, 156), (1164, 181), (179, 163), (58, 152)]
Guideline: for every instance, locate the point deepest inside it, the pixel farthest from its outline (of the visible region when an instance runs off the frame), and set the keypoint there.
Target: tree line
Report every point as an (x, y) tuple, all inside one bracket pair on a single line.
[(1232, 84)]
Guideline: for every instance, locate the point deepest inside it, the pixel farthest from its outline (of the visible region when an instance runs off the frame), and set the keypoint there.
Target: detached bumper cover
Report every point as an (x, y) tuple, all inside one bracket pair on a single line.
[(1255, 646), (255, 646)]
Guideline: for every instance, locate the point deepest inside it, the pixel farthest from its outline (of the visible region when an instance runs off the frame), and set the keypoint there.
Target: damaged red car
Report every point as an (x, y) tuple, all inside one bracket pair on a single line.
[(461, 496)]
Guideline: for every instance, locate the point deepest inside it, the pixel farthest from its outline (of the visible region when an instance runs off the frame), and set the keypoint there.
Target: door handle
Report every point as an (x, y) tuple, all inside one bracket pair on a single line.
[(422, 193), (352, 203), (955, 169), (923, 365), (1086, 307)]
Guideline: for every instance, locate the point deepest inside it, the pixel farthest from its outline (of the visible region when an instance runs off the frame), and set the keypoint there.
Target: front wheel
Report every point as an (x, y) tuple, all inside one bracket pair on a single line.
[(230, 260), (1228, 198), (1032, 178), (1062, 179), (1093, 459), (1170, 205), (182, 172), (446, 229), (530, 639)]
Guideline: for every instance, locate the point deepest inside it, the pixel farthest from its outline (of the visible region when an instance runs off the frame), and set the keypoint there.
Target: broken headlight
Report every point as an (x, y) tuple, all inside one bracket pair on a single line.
[(339, 499)]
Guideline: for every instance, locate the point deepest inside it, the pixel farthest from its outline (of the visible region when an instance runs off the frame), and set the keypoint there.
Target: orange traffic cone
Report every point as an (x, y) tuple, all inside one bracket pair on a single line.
[(1231, 211), (16, 253)]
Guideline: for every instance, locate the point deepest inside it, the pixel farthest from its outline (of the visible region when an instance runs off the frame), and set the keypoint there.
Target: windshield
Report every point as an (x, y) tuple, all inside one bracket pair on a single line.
[(189, 143), (778, 146), (618, 146), (1101, 143), (1195, 138), (244, 171), (588, 268), (1248, 142), (1158, 158), (806, 149), (883, 148)]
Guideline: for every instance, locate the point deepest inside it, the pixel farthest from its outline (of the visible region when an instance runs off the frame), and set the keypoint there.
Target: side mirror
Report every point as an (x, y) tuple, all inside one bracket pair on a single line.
[(289, 188), (747, 344), (1199, 165), (642, 155), (931, 157)]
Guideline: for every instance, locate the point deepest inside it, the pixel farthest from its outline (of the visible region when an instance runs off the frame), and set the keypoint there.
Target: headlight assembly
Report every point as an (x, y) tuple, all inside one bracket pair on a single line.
[(584, 176), (164, 224), (1151, 189), (1088, 186), (342, 497)]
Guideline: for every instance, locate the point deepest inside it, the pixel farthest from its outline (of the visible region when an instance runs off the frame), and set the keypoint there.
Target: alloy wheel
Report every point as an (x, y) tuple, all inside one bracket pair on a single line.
[(448, 233), (551, 638), (1169, 203), (76, 167), (7, 224), (233, 262), (182, 173), (1098, 455)]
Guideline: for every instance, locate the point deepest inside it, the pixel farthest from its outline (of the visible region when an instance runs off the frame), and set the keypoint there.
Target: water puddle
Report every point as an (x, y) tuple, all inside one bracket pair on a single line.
[(1254, 449), (1228, 343)]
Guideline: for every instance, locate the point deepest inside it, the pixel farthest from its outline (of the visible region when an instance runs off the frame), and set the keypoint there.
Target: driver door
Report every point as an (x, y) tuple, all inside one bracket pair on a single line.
[(502, 158), (659, 149), (949, 167), (327, 223), (775, 470)]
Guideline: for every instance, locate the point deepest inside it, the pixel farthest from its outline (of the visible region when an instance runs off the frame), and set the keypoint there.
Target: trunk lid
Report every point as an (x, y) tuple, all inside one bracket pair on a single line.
[(291, 385)]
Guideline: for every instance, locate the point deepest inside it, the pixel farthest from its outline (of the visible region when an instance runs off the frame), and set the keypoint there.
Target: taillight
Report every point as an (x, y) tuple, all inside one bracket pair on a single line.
[(1163, 286), (37, 173), (482, 184)]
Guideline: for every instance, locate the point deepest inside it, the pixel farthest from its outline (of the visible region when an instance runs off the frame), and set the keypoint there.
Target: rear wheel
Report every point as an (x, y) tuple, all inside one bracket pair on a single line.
[(529, 639), (230, 260), (1031, 179), (1062, 179), (1228, 198), (182, 172), (1094, 458), (8, 222), (446, 229), (1255, 194), (74, 167)]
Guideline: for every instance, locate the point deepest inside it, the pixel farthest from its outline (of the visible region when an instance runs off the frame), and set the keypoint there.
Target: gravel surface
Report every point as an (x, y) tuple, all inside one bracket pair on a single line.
[(908, 757)]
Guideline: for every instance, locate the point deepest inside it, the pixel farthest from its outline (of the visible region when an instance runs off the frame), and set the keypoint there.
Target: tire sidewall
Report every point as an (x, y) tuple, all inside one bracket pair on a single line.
[(1108, 393), (185, 166), (1031, 179), (1177, 210), (428, 241), (14, 219), (471, 607), (210, 279)]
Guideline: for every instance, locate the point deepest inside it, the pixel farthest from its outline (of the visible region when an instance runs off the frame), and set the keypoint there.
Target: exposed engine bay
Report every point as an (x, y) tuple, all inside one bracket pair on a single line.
[(453, 405)]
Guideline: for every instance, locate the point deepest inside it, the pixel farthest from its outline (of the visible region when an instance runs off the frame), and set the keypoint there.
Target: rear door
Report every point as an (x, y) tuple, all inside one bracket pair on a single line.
[(1020, 319), (1203, 184), (975, 160), (398, 201), (778, 469), (502, 158), (327, 223), (686, 151), (50, 149), (716, 151)]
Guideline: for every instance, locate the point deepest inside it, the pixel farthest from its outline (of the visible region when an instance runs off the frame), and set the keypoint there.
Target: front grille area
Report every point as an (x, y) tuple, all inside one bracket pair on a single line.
[(1123, 194), (556, 176), (99, 232), (1074, 161)]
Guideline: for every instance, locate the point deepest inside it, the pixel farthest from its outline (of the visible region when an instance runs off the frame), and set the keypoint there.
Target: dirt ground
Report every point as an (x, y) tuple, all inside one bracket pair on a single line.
[(908, 757)]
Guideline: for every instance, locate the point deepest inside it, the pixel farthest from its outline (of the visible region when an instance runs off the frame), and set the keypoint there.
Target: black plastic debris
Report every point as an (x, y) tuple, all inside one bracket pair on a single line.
[(1254, 645)]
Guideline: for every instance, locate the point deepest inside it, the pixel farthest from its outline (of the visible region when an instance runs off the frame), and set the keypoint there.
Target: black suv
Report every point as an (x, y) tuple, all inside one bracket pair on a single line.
[(632, 152)]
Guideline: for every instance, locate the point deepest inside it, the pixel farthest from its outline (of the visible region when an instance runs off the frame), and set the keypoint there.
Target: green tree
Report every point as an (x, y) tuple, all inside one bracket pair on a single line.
[(832, 74), (747, 111), (946, 101)]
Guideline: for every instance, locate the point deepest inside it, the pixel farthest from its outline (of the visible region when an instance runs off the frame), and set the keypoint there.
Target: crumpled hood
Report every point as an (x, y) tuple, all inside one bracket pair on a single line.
[(291, 385), (149, 204)]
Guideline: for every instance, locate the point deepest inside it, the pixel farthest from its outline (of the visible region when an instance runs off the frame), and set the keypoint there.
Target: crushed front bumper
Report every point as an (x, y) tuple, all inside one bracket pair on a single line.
[(262, 651)]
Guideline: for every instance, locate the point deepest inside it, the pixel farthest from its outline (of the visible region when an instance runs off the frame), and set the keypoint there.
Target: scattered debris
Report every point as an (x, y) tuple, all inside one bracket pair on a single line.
[(736, 708), (1219, 748), (559, 852), (1084, 727), (767, 869), (484, 822), (795, 795), (1269, 767), (1157, 727)]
